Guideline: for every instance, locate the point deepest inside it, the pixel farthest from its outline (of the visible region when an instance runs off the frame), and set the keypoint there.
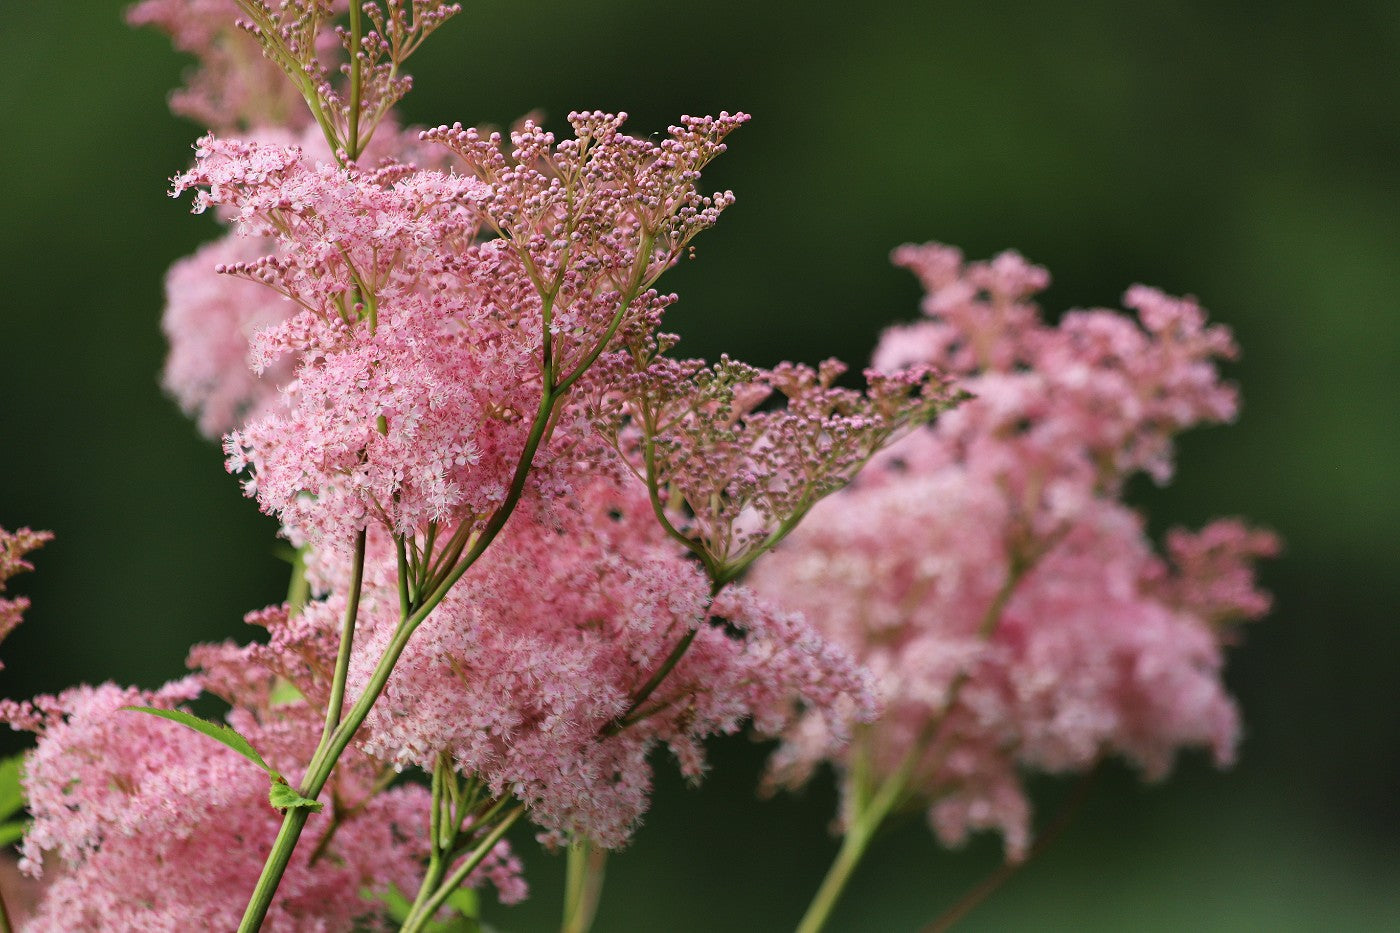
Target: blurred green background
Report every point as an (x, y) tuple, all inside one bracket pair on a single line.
[(1244, 153)]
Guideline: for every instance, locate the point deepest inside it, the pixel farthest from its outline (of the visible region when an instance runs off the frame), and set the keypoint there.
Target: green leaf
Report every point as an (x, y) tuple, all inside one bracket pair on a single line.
[(219, 733), (11, 832), (463, 900), (453, 925), (395, 904), (11, 793), (284, 693), (284, 797)]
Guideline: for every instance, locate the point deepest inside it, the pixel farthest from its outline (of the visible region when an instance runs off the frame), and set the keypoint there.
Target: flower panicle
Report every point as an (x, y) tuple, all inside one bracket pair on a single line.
[(734, 456), (519, 676), (150, 825), (593, 221), (1012, 608), (14, 546), (299, 37), (294, 63), (232, 88), (427, 311)]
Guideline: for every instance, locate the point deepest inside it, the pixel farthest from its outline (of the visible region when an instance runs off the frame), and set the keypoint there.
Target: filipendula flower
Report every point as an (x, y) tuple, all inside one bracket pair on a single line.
[(1013, 610)]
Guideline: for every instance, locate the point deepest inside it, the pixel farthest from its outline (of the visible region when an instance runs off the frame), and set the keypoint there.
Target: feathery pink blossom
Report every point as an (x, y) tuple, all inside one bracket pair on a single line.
[(212, 313), (419, 346), (14, 545), (244, 65), (1014, 612), (731, 474), (233, 86), (209, 320), (152, 826), (521, 671), (592, 222)]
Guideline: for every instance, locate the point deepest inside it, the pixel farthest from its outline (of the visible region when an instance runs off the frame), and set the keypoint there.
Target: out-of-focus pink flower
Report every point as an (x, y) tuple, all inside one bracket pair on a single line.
[(233, 86), (1012, 609), (209, 320), (14, 545)]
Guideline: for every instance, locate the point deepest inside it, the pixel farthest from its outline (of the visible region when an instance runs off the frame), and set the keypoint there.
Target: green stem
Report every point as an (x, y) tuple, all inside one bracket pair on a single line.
[(629, 294), (629, 716), (352, 142), (347, 639), (853, 846), (583, 887), (298, 587), (490, 814), (423, 913), (437, 855), (405, 597), (720, 577), (658, 508), (871, 812), (275, 867), (331, 748), (292, 66), (648, 688)]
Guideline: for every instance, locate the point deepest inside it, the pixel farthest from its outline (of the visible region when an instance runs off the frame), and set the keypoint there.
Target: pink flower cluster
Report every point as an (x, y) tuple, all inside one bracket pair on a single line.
[(1011, 608), (414, 319), (395, 422), (730, 474), (234, 87), (278, 65), (128, 809), (237, 90), (419, 347), (437, 360), (1091, 400), (593, 221), (14, 545), (521, 672), (212, 318), (209, 320), (132, 810)]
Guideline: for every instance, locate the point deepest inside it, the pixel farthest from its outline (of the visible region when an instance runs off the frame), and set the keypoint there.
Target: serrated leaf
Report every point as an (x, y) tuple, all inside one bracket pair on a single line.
[(10, 833), (284, 797), (11, 793), (226, 735)]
